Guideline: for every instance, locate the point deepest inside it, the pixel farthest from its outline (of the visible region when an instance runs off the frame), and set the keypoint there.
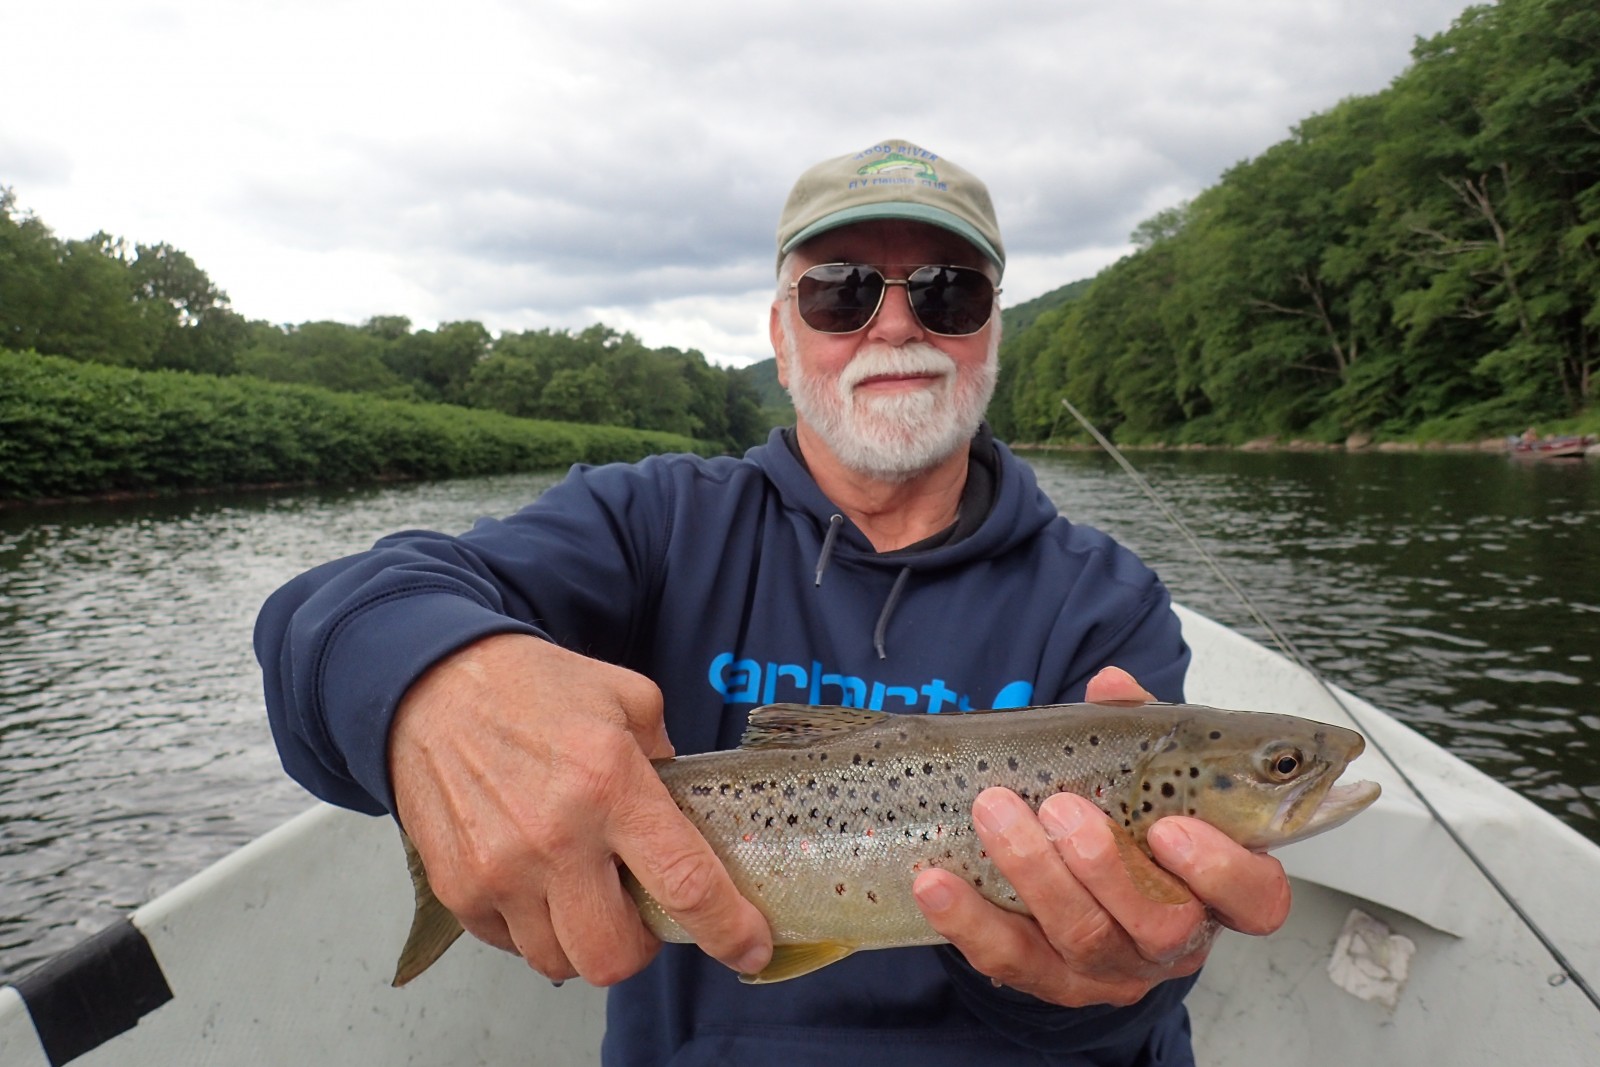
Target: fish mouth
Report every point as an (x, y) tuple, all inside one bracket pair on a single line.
[(1338, 806)]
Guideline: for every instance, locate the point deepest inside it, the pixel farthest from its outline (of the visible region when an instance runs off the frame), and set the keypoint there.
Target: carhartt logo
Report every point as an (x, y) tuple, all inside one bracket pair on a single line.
[(894, 161), (747, 681)]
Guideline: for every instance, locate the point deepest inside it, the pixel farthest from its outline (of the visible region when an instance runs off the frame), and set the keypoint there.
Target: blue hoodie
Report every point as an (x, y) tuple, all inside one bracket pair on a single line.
[(733, 583)]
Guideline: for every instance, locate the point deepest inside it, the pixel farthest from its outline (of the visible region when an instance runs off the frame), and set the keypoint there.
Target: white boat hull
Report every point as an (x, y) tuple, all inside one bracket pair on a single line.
[(282, 952)]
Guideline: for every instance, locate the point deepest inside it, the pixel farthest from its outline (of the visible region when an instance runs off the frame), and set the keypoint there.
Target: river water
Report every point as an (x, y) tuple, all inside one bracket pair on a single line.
[(1460, 591)]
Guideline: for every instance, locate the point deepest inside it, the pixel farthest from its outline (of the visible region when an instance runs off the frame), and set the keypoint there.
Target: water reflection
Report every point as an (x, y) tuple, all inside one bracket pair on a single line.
[(1461, 591), (133, 745)]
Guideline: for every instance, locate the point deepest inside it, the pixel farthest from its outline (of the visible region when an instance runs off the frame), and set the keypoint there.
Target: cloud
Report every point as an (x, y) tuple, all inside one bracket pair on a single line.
[(543, 164)]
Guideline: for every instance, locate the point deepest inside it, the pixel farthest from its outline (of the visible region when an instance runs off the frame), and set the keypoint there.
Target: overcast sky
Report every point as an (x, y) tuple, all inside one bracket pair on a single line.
[(526, 163)]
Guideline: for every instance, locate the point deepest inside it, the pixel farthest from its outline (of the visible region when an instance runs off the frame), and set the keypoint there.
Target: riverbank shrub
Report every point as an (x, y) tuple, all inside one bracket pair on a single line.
[(78, 429)]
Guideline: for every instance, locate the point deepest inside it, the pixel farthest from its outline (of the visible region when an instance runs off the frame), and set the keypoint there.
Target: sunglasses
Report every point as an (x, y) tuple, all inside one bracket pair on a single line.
[(845, 297)]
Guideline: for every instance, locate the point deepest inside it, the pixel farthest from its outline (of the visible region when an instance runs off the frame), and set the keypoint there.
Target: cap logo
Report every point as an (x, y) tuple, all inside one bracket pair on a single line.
[(920, 170)]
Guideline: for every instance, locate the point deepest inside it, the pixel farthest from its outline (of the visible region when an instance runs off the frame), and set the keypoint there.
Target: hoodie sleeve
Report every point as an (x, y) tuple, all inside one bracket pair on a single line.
[(340, 645), (1110, 1034)]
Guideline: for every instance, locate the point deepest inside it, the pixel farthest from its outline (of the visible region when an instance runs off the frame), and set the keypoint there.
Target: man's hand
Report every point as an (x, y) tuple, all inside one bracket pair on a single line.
[(522, 773), (1093, 937)]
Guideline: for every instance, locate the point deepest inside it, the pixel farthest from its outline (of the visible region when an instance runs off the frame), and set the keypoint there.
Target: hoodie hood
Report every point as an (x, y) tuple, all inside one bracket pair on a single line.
[(1017, 511), (1003, 493)]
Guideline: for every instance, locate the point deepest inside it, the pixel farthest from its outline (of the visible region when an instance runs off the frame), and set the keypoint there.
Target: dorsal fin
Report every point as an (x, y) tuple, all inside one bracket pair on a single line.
[(799, 725)]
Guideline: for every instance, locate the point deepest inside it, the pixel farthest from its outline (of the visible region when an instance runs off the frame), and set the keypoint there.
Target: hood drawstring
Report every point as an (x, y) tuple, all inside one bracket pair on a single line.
[(882, 628), (826, 555), (835, 522)]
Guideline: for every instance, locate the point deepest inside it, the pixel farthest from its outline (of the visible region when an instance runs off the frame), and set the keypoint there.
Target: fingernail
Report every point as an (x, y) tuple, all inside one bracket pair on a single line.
[(1060, 824), (753, 961), (1174, 839), (995, 815), (935, 897)]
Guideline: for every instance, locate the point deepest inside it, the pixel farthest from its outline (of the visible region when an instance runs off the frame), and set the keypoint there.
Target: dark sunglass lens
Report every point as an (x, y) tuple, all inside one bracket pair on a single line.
[(951, 300), (838, 297)]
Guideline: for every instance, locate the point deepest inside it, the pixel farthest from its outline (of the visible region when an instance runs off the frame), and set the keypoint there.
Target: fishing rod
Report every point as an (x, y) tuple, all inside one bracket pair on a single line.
[(1293, 653)]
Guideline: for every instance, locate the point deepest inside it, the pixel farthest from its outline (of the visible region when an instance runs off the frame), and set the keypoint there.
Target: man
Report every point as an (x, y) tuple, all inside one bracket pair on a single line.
[(503, 692)]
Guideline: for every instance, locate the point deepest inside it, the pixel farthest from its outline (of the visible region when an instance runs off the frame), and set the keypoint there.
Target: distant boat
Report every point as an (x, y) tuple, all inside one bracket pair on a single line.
[(1567, 446), (1398, 950)]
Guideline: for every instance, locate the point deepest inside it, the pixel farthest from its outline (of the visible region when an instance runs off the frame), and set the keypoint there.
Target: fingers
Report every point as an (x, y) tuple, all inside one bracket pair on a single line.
[(1086, 841), (676, 866), (1093, 936), (1113, 685), (1074, 950), (1012, 949), (1247, 891), (521, 807)]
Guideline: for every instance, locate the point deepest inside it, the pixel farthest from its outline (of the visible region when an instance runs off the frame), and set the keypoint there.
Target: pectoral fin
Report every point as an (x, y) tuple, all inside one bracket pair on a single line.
[(433, 927), (1149, 878), (792, 961)]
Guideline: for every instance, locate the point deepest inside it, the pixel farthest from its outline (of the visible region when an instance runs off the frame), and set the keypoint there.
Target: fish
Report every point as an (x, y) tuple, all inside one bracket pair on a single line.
[(824, 816)]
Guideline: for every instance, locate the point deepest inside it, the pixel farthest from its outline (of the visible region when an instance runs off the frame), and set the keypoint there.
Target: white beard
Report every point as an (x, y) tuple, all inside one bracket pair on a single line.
[(896, 437)]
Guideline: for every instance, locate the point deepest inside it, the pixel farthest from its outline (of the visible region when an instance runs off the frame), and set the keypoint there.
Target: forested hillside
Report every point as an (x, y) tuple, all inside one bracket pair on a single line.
[(1422, 261)]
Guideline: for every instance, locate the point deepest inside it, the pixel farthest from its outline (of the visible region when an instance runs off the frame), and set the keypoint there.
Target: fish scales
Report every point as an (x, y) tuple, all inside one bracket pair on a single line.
[(827, 840), (824, 817)]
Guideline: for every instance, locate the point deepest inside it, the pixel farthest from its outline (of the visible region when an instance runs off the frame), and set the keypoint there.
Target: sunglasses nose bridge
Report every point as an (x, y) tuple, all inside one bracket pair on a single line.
[(896, 320)]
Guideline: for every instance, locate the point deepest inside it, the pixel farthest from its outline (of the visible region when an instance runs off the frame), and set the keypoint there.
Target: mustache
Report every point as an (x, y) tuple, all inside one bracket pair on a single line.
[(878, 360)]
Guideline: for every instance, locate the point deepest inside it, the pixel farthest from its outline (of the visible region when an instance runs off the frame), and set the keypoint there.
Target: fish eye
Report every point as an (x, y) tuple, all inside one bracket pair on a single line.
[(1284, 763)]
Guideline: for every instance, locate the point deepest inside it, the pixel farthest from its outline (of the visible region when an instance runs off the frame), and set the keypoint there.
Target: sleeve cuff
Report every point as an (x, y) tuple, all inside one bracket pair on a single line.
[(375, 655)]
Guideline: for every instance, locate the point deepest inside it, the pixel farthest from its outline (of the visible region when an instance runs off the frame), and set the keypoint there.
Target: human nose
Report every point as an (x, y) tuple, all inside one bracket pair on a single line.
[(895, 323)]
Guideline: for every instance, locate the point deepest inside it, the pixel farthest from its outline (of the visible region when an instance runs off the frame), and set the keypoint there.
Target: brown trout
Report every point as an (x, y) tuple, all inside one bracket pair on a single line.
[(824, 816)]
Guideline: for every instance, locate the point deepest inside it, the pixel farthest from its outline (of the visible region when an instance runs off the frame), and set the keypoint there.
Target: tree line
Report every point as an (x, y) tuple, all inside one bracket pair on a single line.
[(72, 428), (1423, 261), (151, 307)]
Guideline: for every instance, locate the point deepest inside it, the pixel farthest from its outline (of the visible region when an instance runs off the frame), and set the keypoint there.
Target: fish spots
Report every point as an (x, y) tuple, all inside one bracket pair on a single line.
[(1011, 763), (1067, 750), (1216, 735), (1167, 790), (872, 897), (1194, 772), (1094, 740), (927, 768), (983, 765), (1222, 783), (838, 888), (701, 790), (793, 819)]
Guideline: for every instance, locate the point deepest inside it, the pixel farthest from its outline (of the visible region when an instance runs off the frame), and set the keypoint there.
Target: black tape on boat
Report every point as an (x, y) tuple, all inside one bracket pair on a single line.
[(94, 991)]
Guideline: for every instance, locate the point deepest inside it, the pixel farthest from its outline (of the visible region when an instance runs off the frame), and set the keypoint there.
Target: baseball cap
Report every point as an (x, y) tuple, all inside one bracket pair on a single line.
[(893, 179)]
